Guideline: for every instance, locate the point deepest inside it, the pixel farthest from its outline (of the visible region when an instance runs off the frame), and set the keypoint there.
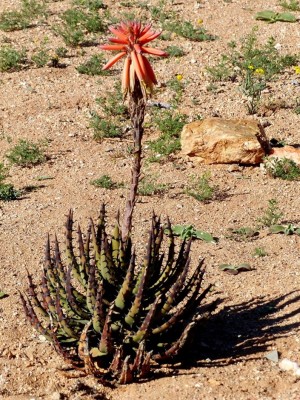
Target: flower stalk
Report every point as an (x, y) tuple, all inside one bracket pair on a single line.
[(138, 79), (137, 105)]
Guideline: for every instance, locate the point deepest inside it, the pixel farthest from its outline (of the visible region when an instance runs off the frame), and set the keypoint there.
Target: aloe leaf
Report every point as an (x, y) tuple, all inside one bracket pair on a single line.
[(83, 260), (173, 350), (91, 289), (33, 319), (98, 319), (106, 344), (115, 244), (69, 248), (146, 325), (125, 290), (175, 289)]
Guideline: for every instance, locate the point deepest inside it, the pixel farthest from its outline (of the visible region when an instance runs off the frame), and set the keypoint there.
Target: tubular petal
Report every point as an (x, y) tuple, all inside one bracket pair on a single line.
[(118, 33), (155, 52), (150, 72), (137, 67), (145, 29), (113, 60), (141, 61), (126, 76), (147, 38), (113, 47), (116, 40), (131, 77)]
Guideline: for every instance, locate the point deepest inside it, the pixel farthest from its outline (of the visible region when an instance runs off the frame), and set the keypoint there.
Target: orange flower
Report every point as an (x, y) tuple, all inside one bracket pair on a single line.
[(130, 40)]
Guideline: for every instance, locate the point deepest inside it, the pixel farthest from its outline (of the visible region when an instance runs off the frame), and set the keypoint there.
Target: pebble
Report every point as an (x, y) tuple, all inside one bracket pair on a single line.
[(234, 168), (287, 365)]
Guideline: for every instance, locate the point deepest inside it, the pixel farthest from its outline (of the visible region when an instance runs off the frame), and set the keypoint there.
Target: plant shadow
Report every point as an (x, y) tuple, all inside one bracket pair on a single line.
[(242, 330)]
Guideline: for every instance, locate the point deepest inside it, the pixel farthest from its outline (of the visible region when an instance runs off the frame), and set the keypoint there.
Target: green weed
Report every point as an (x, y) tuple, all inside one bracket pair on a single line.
[(170, 124), (72, 36), (174, 51), (26, 154), (271, 216), (8, 192), (3, 172), (41, 57), (243, 233), (93, 66), (297, 106), (222, 71), (11, 59), (188, 31), (177, 85), (92, 5), (148, 186), (105, 182), (292, 5), (283, 168), (259, 252), (89, 21), (201, 189), (13, 21), (33, 9), (61, 52), (254, 64), (112, 104), (17, 20), (76, 23), (103, 128), (252, 86)]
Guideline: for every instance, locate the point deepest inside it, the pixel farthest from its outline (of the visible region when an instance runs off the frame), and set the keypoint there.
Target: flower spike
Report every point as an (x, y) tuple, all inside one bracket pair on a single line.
[(130, 39)]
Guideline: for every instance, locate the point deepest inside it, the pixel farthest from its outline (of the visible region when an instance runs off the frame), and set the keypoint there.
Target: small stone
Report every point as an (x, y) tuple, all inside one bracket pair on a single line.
[(272, 356), (287, 365), (233, 168), (56, 396), (42, 338)]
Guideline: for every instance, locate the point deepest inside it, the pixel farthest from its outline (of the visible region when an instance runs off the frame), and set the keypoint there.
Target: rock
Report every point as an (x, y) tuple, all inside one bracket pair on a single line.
[(234, 168), (288, 152), (287, 365), (273, 356), (221, 141)]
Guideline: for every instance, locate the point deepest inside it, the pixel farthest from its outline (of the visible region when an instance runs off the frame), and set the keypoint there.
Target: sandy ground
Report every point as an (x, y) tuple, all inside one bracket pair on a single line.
[(259, 311)]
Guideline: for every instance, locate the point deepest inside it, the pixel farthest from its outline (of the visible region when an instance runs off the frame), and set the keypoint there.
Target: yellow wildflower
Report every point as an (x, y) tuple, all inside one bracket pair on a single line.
[(259, 71), (250, 67), (297, 69), (200, 21), (179, 77)]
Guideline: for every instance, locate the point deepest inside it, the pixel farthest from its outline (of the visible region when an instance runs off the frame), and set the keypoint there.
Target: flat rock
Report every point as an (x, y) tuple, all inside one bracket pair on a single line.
[(224, 141)]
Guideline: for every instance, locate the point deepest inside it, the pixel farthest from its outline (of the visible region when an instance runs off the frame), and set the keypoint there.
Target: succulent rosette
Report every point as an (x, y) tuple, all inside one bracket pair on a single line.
[(131, 38)]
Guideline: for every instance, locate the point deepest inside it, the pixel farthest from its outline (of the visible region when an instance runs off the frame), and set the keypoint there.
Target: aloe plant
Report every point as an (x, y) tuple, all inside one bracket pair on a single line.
[(109, 315)]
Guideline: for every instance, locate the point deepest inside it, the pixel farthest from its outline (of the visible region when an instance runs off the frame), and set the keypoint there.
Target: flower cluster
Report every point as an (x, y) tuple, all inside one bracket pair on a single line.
[(297, 69), (130, 41)]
